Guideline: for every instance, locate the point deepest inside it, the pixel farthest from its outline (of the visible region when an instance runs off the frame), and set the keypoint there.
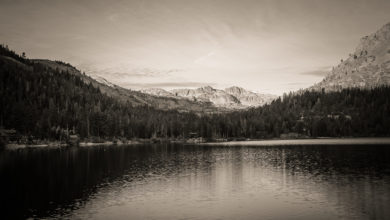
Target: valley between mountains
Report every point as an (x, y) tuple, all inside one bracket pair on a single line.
[(44, 101)]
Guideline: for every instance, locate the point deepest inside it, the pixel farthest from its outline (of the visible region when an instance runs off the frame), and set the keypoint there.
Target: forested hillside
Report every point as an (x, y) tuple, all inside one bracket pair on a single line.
[(49, 103), (350, 112), (45, 103)]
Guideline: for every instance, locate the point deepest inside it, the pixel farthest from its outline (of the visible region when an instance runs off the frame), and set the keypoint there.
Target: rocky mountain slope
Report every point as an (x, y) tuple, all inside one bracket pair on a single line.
[(248, 98), (232, 97), (367, 67), (135, 98), (157, 92)]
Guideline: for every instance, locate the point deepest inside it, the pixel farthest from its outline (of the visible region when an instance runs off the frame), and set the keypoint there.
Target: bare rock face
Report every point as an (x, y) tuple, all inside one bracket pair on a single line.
[(367, 67), (232, 97), (157, 92), (248, 98), (103, 81)]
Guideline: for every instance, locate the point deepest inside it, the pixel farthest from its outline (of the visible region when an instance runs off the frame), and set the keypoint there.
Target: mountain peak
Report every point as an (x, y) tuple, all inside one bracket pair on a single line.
[(157, 92), (385, 28), (235, 90), (367, 67), (232, 97), (206, 88)]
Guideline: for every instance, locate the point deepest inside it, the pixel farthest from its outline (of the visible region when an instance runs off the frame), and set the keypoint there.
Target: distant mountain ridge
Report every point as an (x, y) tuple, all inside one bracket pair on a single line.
[(135, 98), (201, 100), (367, 67), (46, 100), (232, 97)]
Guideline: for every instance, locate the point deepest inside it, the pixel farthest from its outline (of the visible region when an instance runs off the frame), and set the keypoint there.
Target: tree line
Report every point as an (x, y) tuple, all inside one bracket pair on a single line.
[(51, 104)]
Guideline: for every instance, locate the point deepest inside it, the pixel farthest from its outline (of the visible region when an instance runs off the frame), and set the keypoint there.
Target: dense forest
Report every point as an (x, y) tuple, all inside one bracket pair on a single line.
[(350, 112), (44, 103)]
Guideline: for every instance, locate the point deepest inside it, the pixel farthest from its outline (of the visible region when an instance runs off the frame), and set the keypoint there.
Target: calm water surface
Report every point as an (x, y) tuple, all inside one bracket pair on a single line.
[(197, 182)]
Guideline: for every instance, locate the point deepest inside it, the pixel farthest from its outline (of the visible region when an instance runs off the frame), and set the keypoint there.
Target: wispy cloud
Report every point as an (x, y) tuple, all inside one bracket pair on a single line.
[(135, 73), (322, 71), (166, 85), (202, 58), (258, 44)]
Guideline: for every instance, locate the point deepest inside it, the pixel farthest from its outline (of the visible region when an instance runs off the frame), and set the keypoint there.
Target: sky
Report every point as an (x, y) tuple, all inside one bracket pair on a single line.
[(268, 46)]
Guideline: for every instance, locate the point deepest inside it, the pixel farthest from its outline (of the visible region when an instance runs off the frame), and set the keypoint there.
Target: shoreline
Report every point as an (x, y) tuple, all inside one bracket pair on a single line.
[(307, 141), (54, 144), (59, 145), (254, 142)]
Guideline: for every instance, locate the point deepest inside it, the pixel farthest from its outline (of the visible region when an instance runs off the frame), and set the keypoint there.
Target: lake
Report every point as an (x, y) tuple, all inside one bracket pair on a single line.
[(175, 181)]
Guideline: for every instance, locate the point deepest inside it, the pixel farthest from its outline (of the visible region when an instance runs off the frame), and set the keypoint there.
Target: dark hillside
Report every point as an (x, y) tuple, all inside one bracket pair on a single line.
[(50, 100)]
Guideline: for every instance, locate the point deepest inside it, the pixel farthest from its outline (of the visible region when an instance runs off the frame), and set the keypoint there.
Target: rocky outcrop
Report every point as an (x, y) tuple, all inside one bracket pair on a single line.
[(367, 67), (157, 92), (248, 98)]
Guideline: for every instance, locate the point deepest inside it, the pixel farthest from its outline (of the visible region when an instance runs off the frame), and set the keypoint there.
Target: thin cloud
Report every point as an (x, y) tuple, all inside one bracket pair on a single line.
[(318, 72), (166, 85), (202, 58), (136, 73), (296, 84), (257, 44)]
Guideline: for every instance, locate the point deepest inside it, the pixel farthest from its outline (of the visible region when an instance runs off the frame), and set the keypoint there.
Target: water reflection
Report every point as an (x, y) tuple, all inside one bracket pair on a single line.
[(201, 182)]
